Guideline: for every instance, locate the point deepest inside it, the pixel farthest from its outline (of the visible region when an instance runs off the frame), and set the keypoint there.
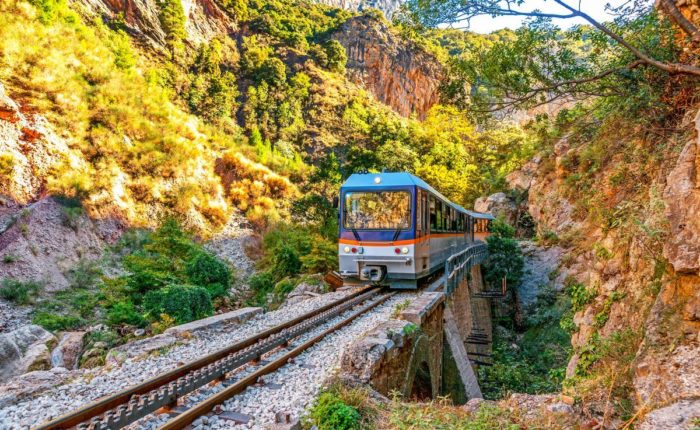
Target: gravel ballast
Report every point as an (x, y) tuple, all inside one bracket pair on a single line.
[(91, 384), (300, 381)]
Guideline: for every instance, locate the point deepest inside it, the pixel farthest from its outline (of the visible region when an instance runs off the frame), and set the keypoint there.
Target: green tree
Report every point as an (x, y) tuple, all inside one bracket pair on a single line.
[(172, 19), (545, 64), (336, 56)]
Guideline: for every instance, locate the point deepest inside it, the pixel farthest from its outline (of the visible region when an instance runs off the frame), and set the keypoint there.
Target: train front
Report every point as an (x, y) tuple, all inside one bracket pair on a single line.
[(377, 233)]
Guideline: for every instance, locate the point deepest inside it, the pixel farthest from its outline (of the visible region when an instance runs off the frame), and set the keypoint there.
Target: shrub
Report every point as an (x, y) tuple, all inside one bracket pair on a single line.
[(9, 258), (184, 303), (500, 228), (284, 287), (54, 322), (7, 162), (85, 274), (331, 413), (337, 58), (580, 295), (505, 261), (210, 272), (322, 258), (19, 292), (124, 313), (261, 284)]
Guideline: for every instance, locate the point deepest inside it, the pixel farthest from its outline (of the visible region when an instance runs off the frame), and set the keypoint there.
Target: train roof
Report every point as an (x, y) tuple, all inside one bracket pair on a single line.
[(394, 179), (481, 215)]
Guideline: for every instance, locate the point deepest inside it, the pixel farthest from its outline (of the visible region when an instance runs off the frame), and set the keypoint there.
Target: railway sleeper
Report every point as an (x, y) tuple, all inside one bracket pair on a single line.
[(142, 405)]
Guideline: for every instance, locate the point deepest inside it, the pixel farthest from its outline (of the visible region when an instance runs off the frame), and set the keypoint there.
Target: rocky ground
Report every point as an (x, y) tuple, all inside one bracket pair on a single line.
[(12, 316), (22, 410)]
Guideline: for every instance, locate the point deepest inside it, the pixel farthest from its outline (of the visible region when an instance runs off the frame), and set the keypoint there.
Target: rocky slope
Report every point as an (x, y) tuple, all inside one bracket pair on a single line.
[(389, 7), (205, 19), (396, 71), (635, 251)]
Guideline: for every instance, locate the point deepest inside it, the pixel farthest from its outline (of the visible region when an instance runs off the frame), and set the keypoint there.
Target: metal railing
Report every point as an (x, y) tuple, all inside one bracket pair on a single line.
[(457, 266)]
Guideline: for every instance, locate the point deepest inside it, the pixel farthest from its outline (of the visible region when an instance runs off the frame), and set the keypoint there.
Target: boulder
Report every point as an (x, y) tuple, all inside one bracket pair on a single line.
[(680, 415), (499, 205), (522, 178), (305, 290), (25, 349), (30, 384), (67, 353)]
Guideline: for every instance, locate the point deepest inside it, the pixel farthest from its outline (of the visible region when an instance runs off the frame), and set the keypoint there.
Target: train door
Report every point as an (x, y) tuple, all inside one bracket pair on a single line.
[(422, 247)]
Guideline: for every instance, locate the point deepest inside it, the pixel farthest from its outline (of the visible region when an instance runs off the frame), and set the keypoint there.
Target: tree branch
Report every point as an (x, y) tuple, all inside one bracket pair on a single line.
[(675, 14), (532, 93), (672, 68)]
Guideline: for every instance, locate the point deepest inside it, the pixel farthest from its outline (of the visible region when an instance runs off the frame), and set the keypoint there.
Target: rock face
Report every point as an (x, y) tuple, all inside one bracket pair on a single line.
[(498, 205), (386, 6), (634, 293), (205, 19), (67, 353), (42, 241), (541, 264), (29, 149), (397, 72), (682, 197), (25, 349)]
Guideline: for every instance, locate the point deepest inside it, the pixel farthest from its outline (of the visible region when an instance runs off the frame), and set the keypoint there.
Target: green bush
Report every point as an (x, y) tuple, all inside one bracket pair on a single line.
[(499, 227), (18, 292), (505, 261), (55, 322), (124, 313), (162, 259), (284, 287), (580, 295), (331, 413), (184, 303), (210, 272), (261, 284)]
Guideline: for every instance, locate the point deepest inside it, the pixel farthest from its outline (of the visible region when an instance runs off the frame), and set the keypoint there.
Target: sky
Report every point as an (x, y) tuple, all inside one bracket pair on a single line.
[(594, 8)]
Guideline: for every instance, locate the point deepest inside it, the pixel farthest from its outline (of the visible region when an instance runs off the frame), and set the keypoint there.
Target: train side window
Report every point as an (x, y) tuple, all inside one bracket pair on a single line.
[(426, 211), (446, 217), (419, 212), (433, 214)]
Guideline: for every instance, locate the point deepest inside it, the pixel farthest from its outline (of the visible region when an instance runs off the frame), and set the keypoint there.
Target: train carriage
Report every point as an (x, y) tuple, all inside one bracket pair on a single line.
[(396, 229)]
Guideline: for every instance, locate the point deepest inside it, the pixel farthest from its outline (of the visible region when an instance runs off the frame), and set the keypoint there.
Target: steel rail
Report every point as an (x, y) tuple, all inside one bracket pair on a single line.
[(126, 402), (186, 418)]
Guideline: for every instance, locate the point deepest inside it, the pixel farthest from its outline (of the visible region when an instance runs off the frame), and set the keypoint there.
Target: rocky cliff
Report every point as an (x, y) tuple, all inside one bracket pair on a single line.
[(389, 7), (397, 71), (630, 232), (204, 18)]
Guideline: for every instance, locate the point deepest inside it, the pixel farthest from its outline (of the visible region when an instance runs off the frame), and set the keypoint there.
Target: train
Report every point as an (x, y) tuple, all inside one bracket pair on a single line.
[(396, 230)]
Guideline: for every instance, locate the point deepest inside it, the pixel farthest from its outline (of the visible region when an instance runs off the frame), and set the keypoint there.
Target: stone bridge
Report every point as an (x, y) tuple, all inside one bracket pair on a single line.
[(430, 348)]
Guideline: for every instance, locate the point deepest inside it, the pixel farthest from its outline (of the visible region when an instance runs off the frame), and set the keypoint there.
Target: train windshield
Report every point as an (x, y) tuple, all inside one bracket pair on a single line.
[(381, 210)]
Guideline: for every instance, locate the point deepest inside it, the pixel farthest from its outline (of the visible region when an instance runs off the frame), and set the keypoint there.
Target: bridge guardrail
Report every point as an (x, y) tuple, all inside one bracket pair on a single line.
[(457, 265)]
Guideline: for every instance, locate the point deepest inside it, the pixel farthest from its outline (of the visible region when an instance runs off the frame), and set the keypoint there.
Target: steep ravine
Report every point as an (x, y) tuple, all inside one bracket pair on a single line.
[(632, 255)]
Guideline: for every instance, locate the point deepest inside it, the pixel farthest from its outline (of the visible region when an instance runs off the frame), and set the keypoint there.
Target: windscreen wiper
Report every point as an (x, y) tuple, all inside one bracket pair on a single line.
[(357, 236), (396, 234)]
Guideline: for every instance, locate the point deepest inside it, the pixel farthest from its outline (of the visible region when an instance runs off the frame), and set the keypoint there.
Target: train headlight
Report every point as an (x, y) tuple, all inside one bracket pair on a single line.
[(346, 249), (397, 250), (404, 250), (360, 250)]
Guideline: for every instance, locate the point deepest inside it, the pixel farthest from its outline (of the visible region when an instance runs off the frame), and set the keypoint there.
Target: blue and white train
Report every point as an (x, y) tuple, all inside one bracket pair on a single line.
[(396, 229)]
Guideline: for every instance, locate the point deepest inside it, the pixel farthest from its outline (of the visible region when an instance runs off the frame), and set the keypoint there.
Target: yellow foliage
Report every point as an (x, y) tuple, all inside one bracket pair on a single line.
[(143, 156)]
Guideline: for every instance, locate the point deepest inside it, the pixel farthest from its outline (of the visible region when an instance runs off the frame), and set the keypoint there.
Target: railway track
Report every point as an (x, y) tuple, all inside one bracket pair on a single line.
[(161, 393)]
